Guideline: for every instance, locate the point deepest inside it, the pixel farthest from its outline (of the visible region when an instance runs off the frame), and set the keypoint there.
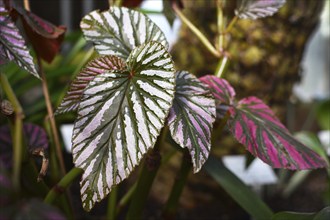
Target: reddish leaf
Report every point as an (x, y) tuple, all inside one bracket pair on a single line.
[(45, 37), (255, 126), (222, 91), (95, 67), (132, 3)]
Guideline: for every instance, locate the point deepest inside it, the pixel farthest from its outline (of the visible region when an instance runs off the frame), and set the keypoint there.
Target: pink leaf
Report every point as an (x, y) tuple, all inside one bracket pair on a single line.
[(255, 126), (222, 91)]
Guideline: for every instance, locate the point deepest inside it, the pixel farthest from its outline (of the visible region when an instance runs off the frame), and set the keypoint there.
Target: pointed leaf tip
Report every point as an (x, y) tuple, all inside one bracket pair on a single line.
[(255, 126), (191, 117), (95, 67), (119, 118)]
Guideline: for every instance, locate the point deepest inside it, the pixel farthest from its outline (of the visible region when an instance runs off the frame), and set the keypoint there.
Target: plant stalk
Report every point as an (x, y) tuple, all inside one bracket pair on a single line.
[(178, 186), (27, 5), (18, 129), (231, 24), (51, 118), (221, 66), (196, 31), (112, 202), (220, 26), (148, 173), (59, 188)]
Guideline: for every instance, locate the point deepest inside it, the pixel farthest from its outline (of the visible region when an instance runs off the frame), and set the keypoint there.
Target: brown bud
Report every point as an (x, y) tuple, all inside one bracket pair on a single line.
[(6, 108)]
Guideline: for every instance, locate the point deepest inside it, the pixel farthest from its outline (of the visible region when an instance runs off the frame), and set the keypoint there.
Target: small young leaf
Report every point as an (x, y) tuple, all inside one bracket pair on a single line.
[(255, 126), (222, 91), (119, 30), (45, 37), (191, 117), (35, 136), (95, 67), (253, 9), (120, 117), (12, 44)]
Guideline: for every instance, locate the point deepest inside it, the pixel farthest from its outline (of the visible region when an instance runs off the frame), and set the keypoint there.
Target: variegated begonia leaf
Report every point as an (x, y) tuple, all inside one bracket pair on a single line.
[(255, 126), (95, 67), (119, 30), (253, 9), (222, 91), (120, 117), (12, 44), (191, 117)]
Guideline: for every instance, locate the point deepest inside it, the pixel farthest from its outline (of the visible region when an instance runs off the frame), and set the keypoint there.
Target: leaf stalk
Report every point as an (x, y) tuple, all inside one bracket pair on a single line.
[(196, 31), (17, 132), (59, 188)]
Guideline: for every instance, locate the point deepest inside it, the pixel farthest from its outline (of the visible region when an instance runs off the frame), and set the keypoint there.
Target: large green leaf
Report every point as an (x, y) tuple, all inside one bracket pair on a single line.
[(191, 117), (119, 30), (120, 117), (241, 193)]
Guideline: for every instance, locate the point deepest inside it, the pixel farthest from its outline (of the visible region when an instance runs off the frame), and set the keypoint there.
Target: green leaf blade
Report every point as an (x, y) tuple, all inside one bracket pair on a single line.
[(119, 30), (191, 117), (241, 193), (119, 118)]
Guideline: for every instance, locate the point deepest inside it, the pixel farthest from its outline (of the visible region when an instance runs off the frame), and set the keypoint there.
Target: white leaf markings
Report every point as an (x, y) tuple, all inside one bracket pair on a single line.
[(253, 9), (119, 30), (191, 117), (120, 117), (95, 67), (12, 44)]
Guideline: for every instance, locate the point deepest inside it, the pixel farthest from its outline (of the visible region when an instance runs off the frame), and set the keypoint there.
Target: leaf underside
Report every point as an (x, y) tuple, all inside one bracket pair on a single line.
[(45, 37), (12, 44), (119, 30), (35, 136), (254, 125), (191, 117), (253, 9), (95, 67), (222, 91), (119, 118)]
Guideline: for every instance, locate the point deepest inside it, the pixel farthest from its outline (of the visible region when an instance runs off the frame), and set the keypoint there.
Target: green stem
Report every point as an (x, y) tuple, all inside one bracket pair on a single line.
[(221, 66), (179, 183), (231, 24), (126, 198), (218, 130), (111, 210), (18, 126), (220, 26), (196, 31), (51, 118), (148, 173), (59, 188), (118, 3)]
